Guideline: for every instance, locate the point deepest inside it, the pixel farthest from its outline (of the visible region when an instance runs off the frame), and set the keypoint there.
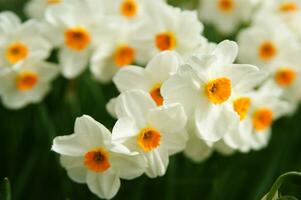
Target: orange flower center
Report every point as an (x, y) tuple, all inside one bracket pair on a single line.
[(241, 106), (124, 55), (218, 90), (288, 7), (148, 139), (262, 119), (285, 77), (267, 51), (53, 1), (155, 93), (165, 41), (226, 5), (97, 160), (16, 52), (26, 80), (77, 38), (129, 8)]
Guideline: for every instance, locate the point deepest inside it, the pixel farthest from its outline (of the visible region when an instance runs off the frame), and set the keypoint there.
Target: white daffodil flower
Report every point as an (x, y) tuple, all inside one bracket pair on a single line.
[(36, 8), (168, 28), (79, 26), (226, 15), (90, 156), (148, 79), (204, 87), (28, 82), (20, 41), (114, 53), (288, 11), (154, 132), (266, 41), (254, 131)]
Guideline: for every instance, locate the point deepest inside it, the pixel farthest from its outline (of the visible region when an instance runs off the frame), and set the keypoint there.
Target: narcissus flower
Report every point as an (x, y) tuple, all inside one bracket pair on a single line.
[(226, 15), (19, 42), (266, 41), (154, 132), (79, 26), (204, 87), (168, 28), (90, 156), (116, 52), (150, 78), (28, 82), (254, 131)]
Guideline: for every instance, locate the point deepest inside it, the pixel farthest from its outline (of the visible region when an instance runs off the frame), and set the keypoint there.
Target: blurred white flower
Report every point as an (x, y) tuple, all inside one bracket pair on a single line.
[(91, 156), (168, 28), (36, 8), (254, 130), (204, 87), (154, 132), (20, 41), (226, 15), (28, 82), (78, 26), (266, 41)]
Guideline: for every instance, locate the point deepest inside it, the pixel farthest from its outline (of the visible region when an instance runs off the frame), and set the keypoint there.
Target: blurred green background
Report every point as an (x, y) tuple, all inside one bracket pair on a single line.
[(35, 173)]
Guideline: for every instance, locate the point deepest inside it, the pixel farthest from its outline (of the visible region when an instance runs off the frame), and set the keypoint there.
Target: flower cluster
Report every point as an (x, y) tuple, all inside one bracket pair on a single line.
[(178, 91)]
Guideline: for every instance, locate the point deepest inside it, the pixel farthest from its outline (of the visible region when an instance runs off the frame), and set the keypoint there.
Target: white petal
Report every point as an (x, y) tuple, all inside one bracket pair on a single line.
[(226, 52), (129, 167), (104, 185), (73, 63), (110, 107), (168, 118), (75, 168), (163, 65), (213, 121), (135, 104), (124, 129), (132, 77), (157, 162), (182, 89), (196, 149)]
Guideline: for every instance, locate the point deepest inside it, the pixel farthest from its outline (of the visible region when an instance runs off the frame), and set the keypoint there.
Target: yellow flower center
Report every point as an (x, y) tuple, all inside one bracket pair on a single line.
[(285, 77), (262, 118), (241, 106), (16, 52), (267, 51), (288, 7), (53, 1), (148, 139), (97, 160), (165, 41), (26, 80), (218, 90), (155, 93), (129, 8), (77, 38), (124, 55), (226, 5)]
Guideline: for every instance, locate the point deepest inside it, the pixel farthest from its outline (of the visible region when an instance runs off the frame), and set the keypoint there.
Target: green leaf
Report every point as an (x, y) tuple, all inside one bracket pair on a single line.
[(5, 190), (293, 177)]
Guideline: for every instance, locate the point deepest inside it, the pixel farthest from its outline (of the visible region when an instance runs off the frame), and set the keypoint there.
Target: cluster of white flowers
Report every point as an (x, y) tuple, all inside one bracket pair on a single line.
[(190, 97)]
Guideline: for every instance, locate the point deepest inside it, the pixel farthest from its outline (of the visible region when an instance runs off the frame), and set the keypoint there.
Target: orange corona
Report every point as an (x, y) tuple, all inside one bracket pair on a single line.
[(16, 52), (77, 38), (165, 41), (148, 139), (267, 51), (226, 5), (241, 106), (124, 55), (129, 8), (26, 80), (97, 160), (155, 93), (218, 90), (285, 77), (262, 119)]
